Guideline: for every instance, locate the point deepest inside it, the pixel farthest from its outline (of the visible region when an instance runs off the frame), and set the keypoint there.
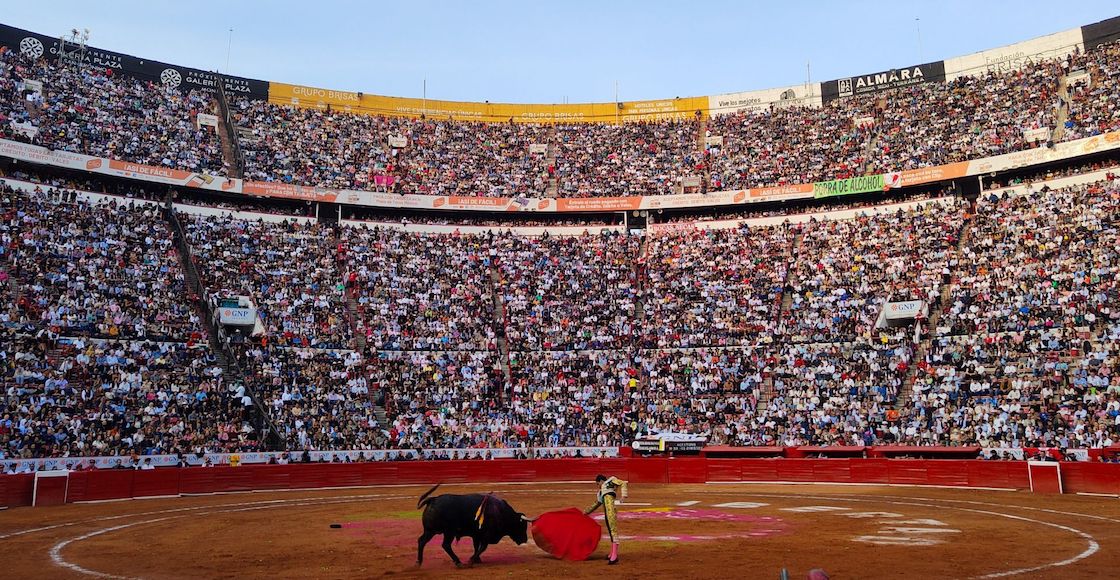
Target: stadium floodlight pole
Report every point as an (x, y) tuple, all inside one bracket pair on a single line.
[(918, 28), (229, 48), (617, 108)]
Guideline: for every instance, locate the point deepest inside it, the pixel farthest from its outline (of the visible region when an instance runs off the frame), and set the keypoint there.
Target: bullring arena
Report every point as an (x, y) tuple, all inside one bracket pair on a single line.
[(675, 530), (864, 327)]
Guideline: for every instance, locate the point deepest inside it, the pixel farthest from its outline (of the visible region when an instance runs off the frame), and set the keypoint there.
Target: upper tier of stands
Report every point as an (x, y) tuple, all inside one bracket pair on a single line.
[(922, 125)]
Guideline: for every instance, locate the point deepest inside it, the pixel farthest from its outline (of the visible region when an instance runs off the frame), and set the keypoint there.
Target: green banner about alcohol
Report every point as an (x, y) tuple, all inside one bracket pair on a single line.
[(864, 184)]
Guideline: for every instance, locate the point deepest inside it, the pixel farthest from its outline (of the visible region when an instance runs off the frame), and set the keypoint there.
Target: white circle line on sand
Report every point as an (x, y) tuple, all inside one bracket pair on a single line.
[(1091, 548), (1011, 505), (174, 510), (56, 550), (972, 502), (197, 508)]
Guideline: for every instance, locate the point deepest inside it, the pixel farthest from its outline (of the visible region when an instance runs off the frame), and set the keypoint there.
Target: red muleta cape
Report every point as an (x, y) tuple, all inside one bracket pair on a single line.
[(567, 534)]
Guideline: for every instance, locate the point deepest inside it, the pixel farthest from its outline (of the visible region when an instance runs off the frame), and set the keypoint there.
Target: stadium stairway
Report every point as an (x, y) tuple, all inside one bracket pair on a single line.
[(639, 274), (936, 310), (500, 322), (234, 159), (13, 288), (1062, 114), (355, 316), (787, 290), (870, 154), (550, 160), (765, 393), (261, 420), (701, 149)]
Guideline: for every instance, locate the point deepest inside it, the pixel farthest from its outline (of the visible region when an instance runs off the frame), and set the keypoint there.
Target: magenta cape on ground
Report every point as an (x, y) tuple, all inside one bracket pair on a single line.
[(567, 534)]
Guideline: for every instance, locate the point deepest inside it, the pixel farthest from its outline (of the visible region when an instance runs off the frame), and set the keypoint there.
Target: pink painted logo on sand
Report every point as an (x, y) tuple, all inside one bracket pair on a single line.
[(401, 532)]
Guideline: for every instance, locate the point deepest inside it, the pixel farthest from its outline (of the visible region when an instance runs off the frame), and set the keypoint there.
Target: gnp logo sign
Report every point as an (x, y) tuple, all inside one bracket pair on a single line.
[(238, 316), (907, 309)]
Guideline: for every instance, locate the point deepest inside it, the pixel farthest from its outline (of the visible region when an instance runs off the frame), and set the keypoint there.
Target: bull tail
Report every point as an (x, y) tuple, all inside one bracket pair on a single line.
[(423, 501)]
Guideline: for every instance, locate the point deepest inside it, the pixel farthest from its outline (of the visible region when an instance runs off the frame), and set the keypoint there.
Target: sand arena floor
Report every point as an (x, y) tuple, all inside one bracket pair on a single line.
[(670, 531)]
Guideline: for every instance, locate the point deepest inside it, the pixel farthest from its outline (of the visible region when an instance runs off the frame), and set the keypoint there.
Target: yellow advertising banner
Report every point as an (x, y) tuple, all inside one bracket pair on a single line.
[(350, 102)]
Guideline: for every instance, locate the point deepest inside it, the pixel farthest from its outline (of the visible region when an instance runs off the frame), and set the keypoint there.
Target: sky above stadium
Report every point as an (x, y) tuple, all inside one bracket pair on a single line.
[(553, 52)]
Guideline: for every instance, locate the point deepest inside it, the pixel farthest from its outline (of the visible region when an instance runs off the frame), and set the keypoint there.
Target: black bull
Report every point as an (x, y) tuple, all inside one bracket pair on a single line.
[(485, 519)]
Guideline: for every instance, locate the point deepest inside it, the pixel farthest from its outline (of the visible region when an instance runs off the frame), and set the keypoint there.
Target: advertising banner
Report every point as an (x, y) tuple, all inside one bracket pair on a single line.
[(903, 310), (1015, 56), (237, 316), (177, 77), (795, 191), (863, 184), (112, 167), (934, 174), (116, 168), (728, 197), (808, 95), (931, 72), (352, 102), (1059, 151), (1098, 33), (538, 149), (398, 141)]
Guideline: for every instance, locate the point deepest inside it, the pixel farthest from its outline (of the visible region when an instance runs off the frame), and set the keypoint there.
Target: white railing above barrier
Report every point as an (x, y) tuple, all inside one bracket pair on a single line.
[(264, 457)]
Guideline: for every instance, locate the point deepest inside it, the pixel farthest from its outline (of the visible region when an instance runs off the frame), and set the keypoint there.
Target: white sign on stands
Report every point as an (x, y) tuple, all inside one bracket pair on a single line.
[(863, 121), (398, 141), (208, 120), (1015, 56), (26, 129), (902, 310), (1059, 151), (1078, 76), (237, 316), (714, 140), (538, 148), (762, 100), (33, 86), (1039, 134)]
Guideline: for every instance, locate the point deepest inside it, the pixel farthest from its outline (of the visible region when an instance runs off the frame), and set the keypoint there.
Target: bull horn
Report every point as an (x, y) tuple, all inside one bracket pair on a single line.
[(530, 520)]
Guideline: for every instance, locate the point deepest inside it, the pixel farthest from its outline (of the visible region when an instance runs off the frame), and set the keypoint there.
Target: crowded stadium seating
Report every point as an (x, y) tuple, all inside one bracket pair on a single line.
[(93, 111), (757, 335), (370, 337)]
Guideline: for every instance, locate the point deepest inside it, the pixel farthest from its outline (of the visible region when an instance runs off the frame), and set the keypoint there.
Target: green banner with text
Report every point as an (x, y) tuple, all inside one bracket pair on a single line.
[(864, 184)]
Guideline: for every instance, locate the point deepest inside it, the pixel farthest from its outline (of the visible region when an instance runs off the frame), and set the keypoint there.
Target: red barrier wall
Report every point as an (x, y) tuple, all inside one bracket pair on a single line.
[(16, 490)]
